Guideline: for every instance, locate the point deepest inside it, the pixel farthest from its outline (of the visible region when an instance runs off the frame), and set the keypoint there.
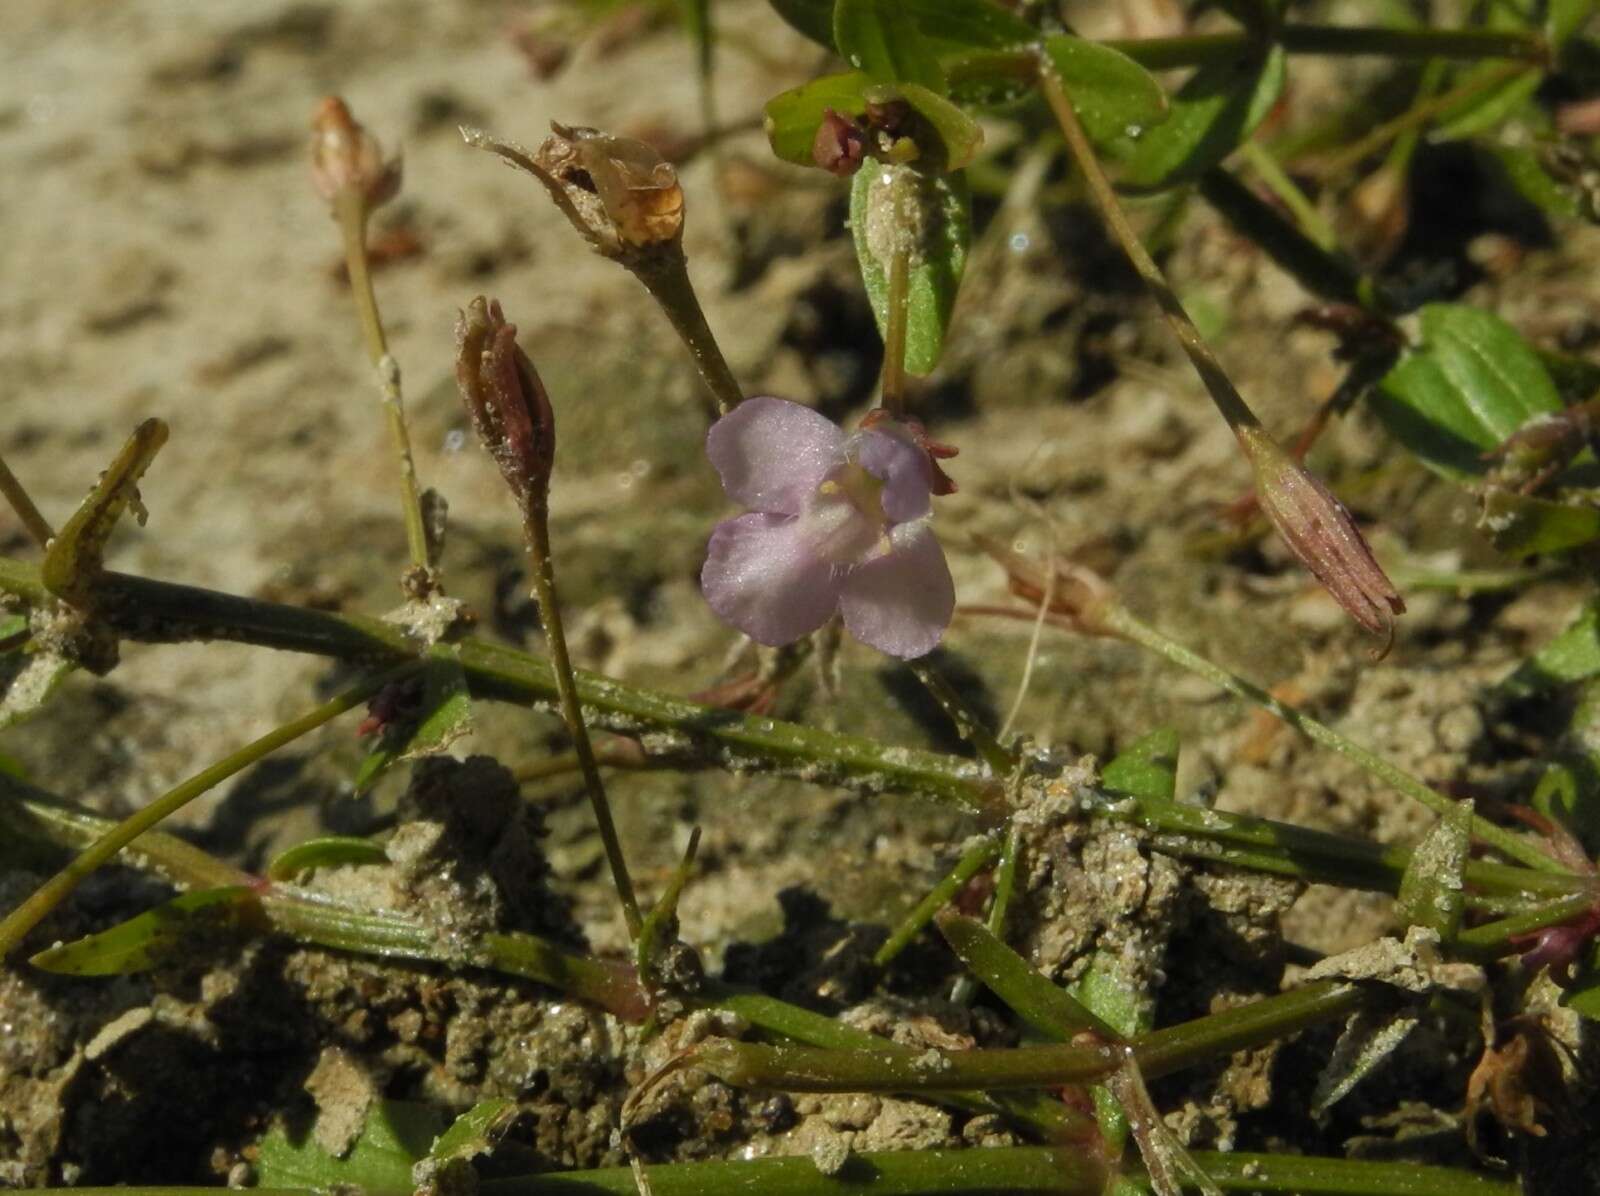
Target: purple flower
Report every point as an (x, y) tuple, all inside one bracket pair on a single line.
[(837, 523)]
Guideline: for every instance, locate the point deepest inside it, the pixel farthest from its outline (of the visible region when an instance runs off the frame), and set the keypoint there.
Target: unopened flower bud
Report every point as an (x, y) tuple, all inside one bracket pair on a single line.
[(347, 160), (1320, 531), (505, 400), (839, 145)]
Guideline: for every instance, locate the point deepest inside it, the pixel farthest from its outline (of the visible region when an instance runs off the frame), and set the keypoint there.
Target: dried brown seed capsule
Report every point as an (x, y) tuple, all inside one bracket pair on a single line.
[(505, 399)]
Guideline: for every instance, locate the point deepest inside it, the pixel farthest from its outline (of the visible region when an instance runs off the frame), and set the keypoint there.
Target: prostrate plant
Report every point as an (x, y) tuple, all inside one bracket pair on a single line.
[(840, 523)]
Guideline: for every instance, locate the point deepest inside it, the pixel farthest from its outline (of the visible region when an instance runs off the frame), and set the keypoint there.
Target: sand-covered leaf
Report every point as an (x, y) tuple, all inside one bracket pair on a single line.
[(476, 1131), (936, 209), (1432, 891), (147, 940)]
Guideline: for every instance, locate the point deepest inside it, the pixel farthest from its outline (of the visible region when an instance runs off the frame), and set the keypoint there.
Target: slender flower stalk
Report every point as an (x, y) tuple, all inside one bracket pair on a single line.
[(624, 199), (1315, 526), (350, 173), (510, 410), (50, 894)]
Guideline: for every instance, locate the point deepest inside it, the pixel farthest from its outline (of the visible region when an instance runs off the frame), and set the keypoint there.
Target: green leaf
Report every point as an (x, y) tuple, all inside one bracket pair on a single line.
[(954, 26), (1048, 1010), (145, 941), (793, 116), (1573, 655), (1522, 525), (1525, 172), (1583, 996), (814, 18), (1432, 892), (396, 1136), (443, 716), (476, 1131), (881, 38), (1489, 107), (1111, 93), (1369, 1038), (327, 852), (1213, 113), (1473, 382), (1565, 18), (941, 210), (1148, 767)]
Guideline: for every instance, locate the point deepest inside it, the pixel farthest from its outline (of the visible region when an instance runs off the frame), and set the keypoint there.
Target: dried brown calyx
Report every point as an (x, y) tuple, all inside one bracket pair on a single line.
[(621, 194), (506, 401)]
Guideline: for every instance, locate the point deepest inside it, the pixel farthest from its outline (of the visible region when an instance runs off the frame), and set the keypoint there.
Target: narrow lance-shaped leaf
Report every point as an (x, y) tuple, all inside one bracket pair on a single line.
[(1212, 115), (935, 211), (147, 940), (74, 560)]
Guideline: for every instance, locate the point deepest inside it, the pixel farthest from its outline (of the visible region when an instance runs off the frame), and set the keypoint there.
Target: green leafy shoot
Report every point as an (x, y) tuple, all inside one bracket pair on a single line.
[(1148, 767), (880, 38)]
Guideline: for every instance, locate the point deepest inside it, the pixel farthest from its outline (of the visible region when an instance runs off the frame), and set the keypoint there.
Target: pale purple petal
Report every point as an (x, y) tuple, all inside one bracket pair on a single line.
[(763, 576), (771, 453), (903, 469), (901, 602)]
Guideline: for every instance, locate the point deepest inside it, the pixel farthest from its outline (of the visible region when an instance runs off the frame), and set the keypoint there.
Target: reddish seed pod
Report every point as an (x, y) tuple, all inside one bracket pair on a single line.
[(839, 146), (347, 159)]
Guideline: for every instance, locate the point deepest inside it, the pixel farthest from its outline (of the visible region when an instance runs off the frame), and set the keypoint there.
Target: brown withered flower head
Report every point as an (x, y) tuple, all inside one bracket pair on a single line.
[(621, 194), (506, 401), (347, 160), (1319, 530)]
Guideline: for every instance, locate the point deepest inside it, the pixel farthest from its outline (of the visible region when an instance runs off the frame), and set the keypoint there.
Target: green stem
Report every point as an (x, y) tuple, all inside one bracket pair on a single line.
[(350, 208), (1272, 173), (22, 503), (969, 725), (808, 1069), (1223, 393), (1005, 885), (50, 894), (537, 526), (151, 611), (1493, 939), (665, 274), (973, 861), (996, 1171), (897, 302), (1120, 620), (1163, 53)]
